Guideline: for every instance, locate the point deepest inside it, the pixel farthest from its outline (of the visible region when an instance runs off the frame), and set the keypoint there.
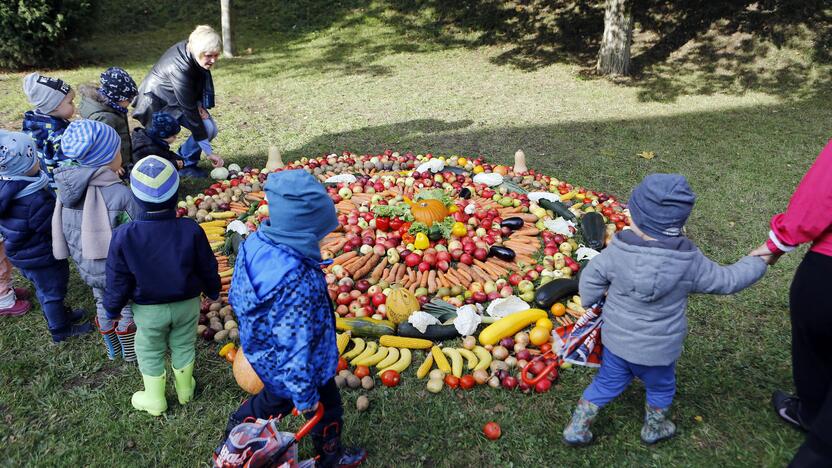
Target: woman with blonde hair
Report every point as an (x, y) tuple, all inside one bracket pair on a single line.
[(180, 84)]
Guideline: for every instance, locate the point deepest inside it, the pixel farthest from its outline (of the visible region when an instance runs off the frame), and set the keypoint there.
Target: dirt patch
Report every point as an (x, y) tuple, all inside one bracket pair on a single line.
[(94, 380)]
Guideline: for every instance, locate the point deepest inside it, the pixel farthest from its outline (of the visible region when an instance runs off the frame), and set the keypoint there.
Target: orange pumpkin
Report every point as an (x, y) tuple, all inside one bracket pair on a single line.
[(427, 211), (245, 376)]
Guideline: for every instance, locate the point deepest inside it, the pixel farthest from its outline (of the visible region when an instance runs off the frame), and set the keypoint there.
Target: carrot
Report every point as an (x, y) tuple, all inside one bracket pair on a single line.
[(339, 260), (432, 281), (479, 272), (423, 281), (443, 283), (400, 274), (526, 231), (375, 276), (507, 265), (225, 280), (527, 217), (415, 284), (462, 269), (371, 262), (411, 273), (405, 282), (492, 270), (351, 264)]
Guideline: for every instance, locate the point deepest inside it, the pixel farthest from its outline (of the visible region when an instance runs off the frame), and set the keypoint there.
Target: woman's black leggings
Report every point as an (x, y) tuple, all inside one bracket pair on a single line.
[(811, 315)]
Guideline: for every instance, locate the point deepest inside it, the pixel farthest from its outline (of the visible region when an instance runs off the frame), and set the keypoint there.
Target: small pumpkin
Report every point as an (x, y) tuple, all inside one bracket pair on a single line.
[(400, 304), (427, 211), (244, 374)]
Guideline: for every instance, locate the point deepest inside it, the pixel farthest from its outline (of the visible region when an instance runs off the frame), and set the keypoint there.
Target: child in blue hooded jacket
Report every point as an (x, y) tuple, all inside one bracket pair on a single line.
[(647, 273), (286, 319)]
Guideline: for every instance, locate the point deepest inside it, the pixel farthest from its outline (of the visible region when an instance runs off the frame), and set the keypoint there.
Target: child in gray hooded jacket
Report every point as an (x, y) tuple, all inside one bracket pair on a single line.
[(647, 273)]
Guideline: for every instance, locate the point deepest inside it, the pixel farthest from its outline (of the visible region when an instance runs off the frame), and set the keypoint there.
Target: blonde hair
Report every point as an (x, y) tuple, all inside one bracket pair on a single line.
[(204, 40)]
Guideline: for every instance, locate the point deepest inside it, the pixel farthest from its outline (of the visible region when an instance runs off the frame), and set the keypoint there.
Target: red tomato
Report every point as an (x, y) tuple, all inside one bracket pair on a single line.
[(492, 431), (342, 364), (390, 378), (545, 348), (361, 371), (467, 382), (451, 381)]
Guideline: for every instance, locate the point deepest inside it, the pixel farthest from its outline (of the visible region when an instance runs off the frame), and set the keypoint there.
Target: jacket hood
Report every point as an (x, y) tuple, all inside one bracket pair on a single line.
[(92, 101), (72, 182), (8, 189), (653, 268)]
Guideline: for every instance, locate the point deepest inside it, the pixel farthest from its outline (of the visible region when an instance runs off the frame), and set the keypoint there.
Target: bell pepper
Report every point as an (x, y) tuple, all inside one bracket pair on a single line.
[(383, 224), (396, 224), (459, 230), (421, 241), (407, 238)]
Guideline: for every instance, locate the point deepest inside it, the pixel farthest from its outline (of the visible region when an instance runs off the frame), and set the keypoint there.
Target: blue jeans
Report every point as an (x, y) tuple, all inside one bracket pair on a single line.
[(190, 150), (50, 288), (616, 374)]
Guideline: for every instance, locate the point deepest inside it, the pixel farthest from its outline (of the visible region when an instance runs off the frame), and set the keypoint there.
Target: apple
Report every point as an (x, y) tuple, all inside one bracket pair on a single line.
[(355, 294), (343, 298), (466, 259), (378, 299), (429, 258), (363, 300), (480, 254), (424, 266), (443, 265), (412, 260), (525, 286), (362, 285), (443, 256), (456, 254), (479, 296), (514, 279), (342, 310)]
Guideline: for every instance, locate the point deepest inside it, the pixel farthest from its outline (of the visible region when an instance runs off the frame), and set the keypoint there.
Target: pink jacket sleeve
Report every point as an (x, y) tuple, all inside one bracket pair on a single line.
[(810, 209)]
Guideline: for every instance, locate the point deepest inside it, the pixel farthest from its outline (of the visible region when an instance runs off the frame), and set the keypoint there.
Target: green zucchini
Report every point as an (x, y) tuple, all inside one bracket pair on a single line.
[(555, 290), (365, 327), (558, 208), (593, 230), (433, 332)]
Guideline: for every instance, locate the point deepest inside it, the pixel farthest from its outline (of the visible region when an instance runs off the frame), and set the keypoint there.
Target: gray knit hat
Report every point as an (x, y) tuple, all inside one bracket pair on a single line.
[(45, 93)]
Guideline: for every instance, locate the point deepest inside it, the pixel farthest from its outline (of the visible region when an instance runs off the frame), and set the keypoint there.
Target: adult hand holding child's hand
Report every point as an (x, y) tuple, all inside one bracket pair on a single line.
[(766, 254)]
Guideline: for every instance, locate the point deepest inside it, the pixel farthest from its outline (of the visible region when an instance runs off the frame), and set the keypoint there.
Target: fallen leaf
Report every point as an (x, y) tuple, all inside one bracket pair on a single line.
[(647, 154), (698, 419)]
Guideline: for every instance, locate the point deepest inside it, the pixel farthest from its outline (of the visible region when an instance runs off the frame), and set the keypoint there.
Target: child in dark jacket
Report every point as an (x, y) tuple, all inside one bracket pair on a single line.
[(108, 103), (647, 274), (52, 99), (26, 204), (156, 139), (161, 264), (287, 325)]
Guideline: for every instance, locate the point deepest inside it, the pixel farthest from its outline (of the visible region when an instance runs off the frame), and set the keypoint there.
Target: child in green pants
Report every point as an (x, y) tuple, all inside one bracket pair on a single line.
[(162, 264)]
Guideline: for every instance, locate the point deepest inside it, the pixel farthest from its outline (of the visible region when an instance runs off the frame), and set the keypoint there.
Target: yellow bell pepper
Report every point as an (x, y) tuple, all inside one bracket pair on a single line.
[(459, 229), (421, 241)]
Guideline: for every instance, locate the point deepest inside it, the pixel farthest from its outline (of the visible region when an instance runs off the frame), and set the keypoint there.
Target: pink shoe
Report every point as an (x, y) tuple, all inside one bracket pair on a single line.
[(19, 308), (22, 293)]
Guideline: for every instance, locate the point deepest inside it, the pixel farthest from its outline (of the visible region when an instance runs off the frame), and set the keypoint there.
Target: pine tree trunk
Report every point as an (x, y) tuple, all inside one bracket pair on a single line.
[(614, 56), (227, 29)]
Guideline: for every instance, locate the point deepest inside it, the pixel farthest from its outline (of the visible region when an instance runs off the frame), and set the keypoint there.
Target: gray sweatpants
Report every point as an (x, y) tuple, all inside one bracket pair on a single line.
[(103, 322)]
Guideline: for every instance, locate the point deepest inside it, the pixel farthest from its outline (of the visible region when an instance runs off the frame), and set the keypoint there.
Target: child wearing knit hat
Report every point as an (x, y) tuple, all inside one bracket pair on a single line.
[(156, 139), (26, 204), (92, 201), (108, 103), (53, 107), (647, 274), (165, 306)]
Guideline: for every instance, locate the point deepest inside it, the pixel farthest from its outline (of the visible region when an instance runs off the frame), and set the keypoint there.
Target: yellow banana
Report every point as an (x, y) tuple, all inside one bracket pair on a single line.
[(456, 360), (357, 349), (343, 340), (484, 356), (400, 365), (369, 350), (469, 356), (392, 358), (441, 360), (423, 370), (377, 357)]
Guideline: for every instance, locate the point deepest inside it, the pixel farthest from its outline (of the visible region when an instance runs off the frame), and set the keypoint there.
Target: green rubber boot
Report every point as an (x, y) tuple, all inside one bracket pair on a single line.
[(184, 383), (152, 399)]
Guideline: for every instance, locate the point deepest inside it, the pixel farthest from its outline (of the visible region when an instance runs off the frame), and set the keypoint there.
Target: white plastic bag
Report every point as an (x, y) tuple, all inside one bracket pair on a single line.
[(560, 226), (584, 252), (491, 179), (433, 165), (420, 320), (505, 306), (537, 196), (338, 178), (237, 226), (468, 319)]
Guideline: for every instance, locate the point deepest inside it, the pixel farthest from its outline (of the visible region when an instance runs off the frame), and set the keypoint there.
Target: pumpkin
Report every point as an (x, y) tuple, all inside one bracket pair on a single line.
[(400, 304), (244, 374), (427, 211)]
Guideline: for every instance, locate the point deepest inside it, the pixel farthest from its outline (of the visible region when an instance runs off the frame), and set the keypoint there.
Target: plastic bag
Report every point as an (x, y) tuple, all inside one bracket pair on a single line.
[(468, 318), (504, 306), (560, 226), (237, 226), (420, 320), (584, 252), (491, 179), (537, 196), (338, 178), (433, 165)]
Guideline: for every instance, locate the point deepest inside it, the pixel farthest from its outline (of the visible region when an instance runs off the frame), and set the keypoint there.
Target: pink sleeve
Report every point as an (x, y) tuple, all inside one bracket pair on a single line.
[(810, 209)]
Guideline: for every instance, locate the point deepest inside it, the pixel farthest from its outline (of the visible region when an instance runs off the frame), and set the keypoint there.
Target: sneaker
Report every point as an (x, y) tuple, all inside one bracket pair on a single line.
[(72, 330), (788, 408), (350, 457), (22, 293), (19, 308), (193, 171)]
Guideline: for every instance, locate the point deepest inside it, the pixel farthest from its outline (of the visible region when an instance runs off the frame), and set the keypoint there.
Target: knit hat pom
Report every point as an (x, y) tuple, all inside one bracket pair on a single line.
[(163, 125), (90, 143), (154, 180), (17, 153), (661, 204)]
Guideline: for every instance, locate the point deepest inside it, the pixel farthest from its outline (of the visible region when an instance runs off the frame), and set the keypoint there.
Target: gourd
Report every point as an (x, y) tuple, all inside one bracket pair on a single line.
[(400, 304), (244, 374), (427, 211), (365, 326), (520, 162), (509, 325), (275, 161)]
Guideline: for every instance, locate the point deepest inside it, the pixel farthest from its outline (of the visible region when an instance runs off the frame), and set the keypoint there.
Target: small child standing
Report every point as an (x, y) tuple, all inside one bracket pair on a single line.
[(108, 104), (52, 99), (162, 264), (647, 274), (287, 325), (156, 139), (26, 205), (92, 201)]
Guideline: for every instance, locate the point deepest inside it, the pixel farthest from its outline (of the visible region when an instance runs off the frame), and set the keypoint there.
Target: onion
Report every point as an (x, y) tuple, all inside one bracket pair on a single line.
[(511, 361), (480, 376), (469, 342), (500, 353), (507, 343), (522, 337)]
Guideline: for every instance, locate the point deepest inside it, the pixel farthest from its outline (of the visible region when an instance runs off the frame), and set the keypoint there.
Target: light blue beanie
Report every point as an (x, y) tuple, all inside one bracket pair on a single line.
[(17, 153), (90, 143)]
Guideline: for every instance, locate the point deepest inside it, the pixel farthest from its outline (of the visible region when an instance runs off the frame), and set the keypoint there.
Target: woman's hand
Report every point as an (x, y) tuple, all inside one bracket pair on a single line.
[(766, 254), (216, 161)]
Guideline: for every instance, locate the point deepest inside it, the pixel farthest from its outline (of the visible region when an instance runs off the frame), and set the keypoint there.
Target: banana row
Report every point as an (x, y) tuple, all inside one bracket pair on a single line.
[(369, 353)]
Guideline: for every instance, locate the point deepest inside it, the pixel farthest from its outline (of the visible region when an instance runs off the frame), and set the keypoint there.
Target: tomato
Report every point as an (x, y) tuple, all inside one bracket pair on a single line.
[(396, 224), (408, 238), (492, 431), (558, 309), (361, 371), (542, 386), (383, 224), (390, 378), (467, 382), (451, 381), (620, 225), (342, 364)]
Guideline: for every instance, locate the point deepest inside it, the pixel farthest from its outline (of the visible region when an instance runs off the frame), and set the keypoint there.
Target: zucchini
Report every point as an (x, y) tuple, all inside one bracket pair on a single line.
[(514, 223), (433, 332), (365, 327), (593, 230), (558, 208), (555, 290), (503, 253)]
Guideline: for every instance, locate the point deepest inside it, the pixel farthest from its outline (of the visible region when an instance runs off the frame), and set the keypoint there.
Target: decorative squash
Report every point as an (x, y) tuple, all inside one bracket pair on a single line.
[(520, 162), (245, 376), (400, 304), (275, 160), (427, 211)]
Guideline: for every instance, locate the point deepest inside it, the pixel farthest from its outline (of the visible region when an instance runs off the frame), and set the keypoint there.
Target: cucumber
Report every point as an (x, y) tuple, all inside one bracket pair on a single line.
[(558, 208), (555, 290), (433, 332), (593, 230), (365, 327)]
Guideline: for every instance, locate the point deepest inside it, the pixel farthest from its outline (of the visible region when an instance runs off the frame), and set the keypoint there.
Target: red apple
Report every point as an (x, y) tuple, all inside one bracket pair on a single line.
[(466, 259), (443, 265), (412, 260), (343, 298), (480, 254), (424, 266), (379, 298)]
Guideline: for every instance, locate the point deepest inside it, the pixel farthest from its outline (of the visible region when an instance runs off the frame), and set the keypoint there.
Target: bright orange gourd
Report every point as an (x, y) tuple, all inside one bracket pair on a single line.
[(427, 211), (244, 374)]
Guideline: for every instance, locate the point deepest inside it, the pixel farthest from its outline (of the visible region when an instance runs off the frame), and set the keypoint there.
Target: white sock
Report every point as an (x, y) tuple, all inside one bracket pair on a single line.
[(7, 300)]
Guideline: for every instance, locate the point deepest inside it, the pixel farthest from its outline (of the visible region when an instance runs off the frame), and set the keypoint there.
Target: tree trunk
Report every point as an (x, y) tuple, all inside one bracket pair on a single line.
[(614, 56), (227, 29)]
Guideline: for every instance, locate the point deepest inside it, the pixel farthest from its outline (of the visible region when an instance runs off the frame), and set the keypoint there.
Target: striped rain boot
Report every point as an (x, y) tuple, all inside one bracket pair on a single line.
[(127, 339), (110, 341)]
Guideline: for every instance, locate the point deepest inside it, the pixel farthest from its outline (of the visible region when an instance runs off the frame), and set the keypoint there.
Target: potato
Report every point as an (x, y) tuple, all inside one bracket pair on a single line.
[(200, 329), (469, 342), (216, 326), (353, 381), (227, 310), (344, 373), (362, 403), (367, 383), (436, 374), (215, 306), (340, 381), (230, 325), (435, 385), (221, 336), (234, 334), (212, 314)]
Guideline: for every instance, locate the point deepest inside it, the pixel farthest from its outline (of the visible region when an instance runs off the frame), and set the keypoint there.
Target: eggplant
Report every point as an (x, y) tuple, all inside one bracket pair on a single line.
[(593, 230), (514, 223), (503, 253), (465, 193), (558, 208), (555, 290)]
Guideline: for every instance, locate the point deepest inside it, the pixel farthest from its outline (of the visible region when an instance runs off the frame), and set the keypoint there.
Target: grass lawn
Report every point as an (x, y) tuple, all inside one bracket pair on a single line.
[(358, 76)]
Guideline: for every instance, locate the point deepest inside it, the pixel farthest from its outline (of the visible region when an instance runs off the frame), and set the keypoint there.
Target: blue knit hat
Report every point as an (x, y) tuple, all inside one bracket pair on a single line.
[(660, 204), (17, 153), (117, 85), (163, 125), (90, 143), (154, 180)]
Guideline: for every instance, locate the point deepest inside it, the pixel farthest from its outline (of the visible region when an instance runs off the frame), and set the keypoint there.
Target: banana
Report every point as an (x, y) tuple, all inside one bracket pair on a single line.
[(375, 358), (357, 349), (425, 367), (392, 358), (343, 340), (469, 356), (441, 360), (456, 360), (577, 300), (369, 350), (400, 365), (484, 356)]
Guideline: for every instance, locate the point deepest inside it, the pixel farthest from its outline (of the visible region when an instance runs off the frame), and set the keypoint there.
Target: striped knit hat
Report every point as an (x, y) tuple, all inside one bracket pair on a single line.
[(90, 143), (154, 181)]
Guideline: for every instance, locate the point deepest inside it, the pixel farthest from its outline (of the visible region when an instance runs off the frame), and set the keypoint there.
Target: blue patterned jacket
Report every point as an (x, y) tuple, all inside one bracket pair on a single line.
[(286, 320), (47, 132)]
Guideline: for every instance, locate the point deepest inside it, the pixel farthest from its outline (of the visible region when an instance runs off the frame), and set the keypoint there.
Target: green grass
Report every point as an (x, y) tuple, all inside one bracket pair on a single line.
[(357, 76)]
